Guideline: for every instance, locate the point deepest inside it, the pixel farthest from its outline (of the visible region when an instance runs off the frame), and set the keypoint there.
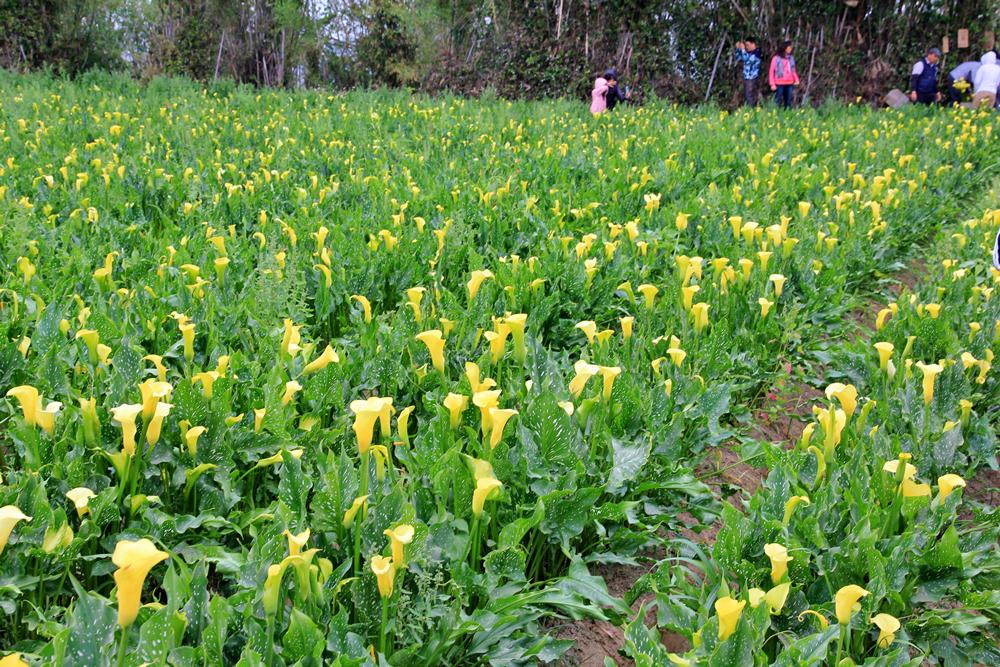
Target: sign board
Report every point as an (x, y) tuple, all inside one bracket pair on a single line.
[(963, 38), (989, 40), (945, 44)]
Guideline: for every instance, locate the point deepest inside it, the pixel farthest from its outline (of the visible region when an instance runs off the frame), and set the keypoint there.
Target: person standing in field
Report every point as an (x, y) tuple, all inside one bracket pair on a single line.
[(924, 78), (749, 55), (987, 79), (598, 96), (783, 76), (965, 72), (614, 94)]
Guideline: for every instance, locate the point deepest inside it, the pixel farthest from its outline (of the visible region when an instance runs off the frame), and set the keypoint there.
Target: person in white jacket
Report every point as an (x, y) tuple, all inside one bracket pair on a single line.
[(987, 79)]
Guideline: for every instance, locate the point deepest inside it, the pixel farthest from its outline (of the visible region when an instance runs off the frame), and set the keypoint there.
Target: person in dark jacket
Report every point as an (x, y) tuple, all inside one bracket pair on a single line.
[(615, 94), (924, 78)]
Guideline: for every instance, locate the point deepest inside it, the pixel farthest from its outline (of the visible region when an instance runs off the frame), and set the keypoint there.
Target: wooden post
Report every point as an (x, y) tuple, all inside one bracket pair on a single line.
[(711, 79)]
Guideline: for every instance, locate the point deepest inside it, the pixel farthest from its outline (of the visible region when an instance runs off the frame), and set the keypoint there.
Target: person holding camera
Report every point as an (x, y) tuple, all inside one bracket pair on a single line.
[(749, 55)]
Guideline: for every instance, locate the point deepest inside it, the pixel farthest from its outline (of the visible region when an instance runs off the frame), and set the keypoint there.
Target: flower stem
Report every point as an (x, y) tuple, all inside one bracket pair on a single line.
[(385, 621), (122, 648)]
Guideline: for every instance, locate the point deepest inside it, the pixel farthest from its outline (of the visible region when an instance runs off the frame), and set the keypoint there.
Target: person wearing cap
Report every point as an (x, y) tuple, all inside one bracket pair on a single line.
[(924, 78)]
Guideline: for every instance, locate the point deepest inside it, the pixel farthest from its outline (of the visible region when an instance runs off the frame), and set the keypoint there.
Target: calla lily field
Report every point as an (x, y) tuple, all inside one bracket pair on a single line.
[(301, 378)]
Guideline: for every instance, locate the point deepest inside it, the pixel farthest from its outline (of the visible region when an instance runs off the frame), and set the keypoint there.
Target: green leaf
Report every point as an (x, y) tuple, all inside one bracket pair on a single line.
[(628, 458), (302, 640)]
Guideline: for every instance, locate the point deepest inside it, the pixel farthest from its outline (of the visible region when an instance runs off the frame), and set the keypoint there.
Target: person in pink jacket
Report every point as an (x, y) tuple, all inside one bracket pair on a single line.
[(783, 76), (598, 96)]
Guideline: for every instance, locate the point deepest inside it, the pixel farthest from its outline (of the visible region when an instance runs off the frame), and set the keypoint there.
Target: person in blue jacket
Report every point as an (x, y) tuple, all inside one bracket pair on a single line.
[(924, 78), (750, 56)]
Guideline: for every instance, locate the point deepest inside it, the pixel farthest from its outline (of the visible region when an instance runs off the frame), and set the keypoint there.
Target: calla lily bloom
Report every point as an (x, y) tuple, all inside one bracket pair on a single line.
[(329, 356), (498, 341), (930, 372), (456, 404), (13, 660), (516, 323), (887, 627), (775, 598), (728, 610), (366, 306), (152, 392), (258, 419), (80, 496), (435, 346), (790, 506), (846, 602), (290, 339), (29, 399), (278, 458), (589, 329), (486, 488), (649, 293), (699, 313), (765, 306), (134, 561), (847, 396), (125, 415), (187, 335), (366, 413), (91, 339), (823, 623), (778, 281), (296, 541), (207, 381), (402, 424), (191, 439), (476, 280), (385, 574), (291, 388), (414, 296), (156, 423), (779, 557), (161, 370), (353, 510), (677, 355), (10, 515), (584, 372), (947, 484), (498, 420), (399, 537), (911, 489), (885, 350), (485, 400), (627, 324), (472, 372), (46, 417), (833, 422), (608, 375)]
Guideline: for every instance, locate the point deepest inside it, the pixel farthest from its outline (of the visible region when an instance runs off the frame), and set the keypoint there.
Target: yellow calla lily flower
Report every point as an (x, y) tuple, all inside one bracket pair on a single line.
[(589, 329), (473, 373), (290, 339), (846, 602), (885, 350), (296, 541), (329, 356), (399, 537), (456, 404), (10, 515), (948, 483), (291, 388), (790, 506), (45, 417), (485, 400), (161, 370), (258, 419), (627, 324), (778, 281), (366, 413), (156, 423), (930, 372), (498, 420), (414, 296), (124, 415), (366, 306), (887, 627), (846, 395), (80, 496), (353, 510), (27, 396), (486, 488), (385, 574), (152, 392), (134, 561), (608, 375), (649, 293), (779, 557), (476, 280), (728, 611), (584, 372), (13, 660), (402, 424), (207, 381), (191, 439), (434, 341), (187, 335)]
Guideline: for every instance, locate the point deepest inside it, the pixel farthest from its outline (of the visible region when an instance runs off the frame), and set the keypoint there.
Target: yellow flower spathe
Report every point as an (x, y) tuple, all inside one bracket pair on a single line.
[(728, 610), (80, 497), (134, 561), (486, 488), (846, 395), (948, 483), (399, 537), (887, 627), (328, 356), (498, 420), (434, 341), (385, 574), (10, 515), (930, 372), (779, 557), (28, 397), (846, 602), (456, 404), (124, 415), (476, 280)]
